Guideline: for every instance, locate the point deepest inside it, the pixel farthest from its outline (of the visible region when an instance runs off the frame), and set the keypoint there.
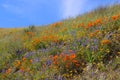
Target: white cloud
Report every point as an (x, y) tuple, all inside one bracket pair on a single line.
[(72, 8), (23, 7), (12, 8)]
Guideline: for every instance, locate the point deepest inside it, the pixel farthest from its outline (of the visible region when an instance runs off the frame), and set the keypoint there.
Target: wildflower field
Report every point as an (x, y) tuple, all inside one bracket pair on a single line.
[(83, 48)]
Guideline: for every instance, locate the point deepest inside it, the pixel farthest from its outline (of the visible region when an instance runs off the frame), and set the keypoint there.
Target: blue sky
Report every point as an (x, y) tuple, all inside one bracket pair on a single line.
[(22, 13)]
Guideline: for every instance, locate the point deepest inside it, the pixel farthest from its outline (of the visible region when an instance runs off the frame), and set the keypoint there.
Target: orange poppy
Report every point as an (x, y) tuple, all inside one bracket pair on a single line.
[(82, 24), (55, 62), (31, 60), (99, 21), (9, 71), (77, 65), (31, 33), (24, 58), (22, 69), (74, 61), (105, 41), (115, 17), (18, 62), (90, 24), (66, 58), (97, 31), (55, 57), (67, 65), (73, 56)]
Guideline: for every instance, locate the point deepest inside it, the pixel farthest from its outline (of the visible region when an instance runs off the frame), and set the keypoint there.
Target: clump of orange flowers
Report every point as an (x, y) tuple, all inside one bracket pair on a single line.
[(115, 17), (24, 58), (18, 63), (53, 38), (50, 38), (31, 60), (72, 56), (23, 64), (36, 41), (22, 68), (65, 63), (98, 21), (45, 38), (58, 24), (9, 71), (106, 41), (31, 33), (90, 24), (69, 60), (92, 34)]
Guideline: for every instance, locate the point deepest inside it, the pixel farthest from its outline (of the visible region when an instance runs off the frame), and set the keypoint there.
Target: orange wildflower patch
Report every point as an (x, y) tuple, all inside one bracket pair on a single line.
[(66, 61), (115, 17), (77, 65), (58, 24), (31, 33), (55, 62), (61, 55), (9, 71), (31, 60), (73, 56), (50, 66), (55, 57), (97, 31), (24, 59), (64, 29), (105, 41), (53, 38), (92, 34), (45, 38), (22, 68), (98, 21), (67, 65), (82, 24), (90, 24), (75, 61), (18, 62), (36, 41), (66, 58)]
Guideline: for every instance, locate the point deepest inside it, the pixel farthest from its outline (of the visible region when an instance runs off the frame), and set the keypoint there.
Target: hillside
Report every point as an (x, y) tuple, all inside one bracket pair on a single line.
[(83, 48)]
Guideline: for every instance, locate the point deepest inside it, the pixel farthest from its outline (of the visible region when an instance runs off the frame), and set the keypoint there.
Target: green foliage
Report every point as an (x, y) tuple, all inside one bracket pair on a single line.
[(55, 51), (30, 29), (41, 45)]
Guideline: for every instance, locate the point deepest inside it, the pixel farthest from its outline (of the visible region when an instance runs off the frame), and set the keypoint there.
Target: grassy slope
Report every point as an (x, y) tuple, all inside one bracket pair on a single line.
[(38, 43)]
